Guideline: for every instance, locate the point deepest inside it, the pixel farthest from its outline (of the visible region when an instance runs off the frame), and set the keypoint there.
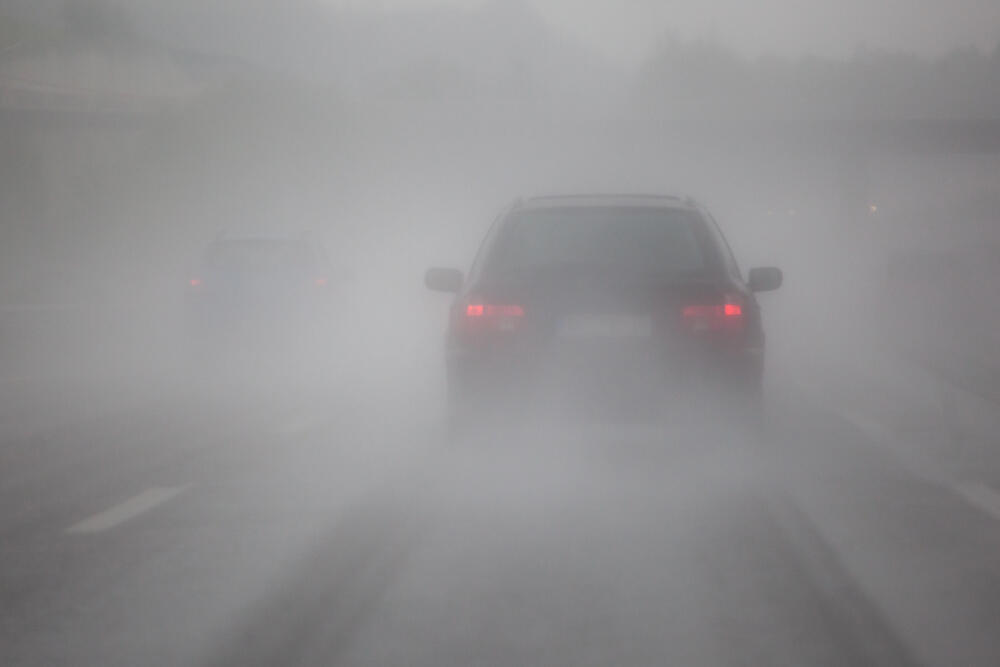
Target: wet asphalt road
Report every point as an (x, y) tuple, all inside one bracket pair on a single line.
[(156, 526)]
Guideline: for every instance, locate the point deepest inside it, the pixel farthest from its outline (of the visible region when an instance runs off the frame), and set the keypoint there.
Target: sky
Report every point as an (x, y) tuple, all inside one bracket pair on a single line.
[(629, 30)]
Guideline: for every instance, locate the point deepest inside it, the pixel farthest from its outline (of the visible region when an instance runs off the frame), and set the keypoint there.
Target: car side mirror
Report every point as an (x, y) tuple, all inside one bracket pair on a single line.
[(443, 280), (765, 279)]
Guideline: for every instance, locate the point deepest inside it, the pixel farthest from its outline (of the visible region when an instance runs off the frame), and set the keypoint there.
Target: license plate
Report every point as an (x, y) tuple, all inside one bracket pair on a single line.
[(606, 326)]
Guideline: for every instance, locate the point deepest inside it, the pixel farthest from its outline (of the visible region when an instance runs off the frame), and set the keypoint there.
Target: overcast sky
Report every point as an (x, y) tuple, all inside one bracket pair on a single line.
[(630, 29)]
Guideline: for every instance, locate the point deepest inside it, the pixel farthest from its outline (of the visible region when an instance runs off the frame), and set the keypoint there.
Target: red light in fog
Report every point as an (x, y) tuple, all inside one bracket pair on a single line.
[(489, 310), (727, 316), (320, 282), (480, 317), (195, 282)]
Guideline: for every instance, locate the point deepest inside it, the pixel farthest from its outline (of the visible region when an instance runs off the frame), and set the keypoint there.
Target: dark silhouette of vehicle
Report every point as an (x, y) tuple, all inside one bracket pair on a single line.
[(255, 289), (604, 303)]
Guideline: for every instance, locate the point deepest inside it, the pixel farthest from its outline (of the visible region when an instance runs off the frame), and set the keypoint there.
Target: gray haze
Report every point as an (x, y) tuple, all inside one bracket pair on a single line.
[(629, 29), (197, 467)]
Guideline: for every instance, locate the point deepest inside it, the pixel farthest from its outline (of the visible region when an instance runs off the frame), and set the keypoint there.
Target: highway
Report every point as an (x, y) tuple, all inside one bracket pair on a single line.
[(151, 520), (285, 492)]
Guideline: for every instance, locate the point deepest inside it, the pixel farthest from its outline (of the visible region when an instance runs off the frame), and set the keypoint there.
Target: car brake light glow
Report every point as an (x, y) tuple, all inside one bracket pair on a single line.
[(491, 310), (320, 282), (194, 282), (727, 316), (486, 317)]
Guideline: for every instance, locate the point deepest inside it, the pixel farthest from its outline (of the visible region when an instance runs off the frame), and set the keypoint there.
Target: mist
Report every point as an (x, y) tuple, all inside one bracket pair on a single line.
[(189, 484)]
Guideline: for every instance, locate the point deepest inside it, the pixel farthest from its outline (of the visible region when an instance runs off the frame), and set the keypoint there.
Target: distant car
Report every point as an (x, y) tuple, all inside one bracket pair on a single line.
[(597, 301), (242, 286)]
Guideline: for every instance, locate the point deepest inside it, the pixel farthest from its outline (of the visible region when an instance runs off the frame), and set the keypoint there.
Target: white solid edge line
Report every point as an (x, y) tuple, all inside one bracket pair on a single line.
[(981, 496), (977, 494), (126, 510)]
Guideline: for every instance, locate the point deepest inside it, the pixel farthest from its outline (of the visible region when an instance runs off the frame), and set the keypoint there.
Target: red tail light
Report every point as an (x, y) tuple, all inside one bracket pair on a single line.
[(491, 310), (727, 316), (194, 283), (320, 282), (480, 316)]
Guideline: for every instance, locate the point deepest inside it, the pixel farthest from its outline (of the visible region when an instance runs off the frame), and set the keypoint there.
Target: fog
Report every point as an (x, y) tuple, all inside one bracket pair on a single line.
[(856, 147)]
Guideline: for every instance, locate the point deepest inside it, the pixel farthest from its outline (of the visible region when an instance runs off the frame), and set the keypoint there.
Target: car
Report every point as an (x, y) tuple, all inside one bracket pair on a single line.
[(254, 288), (628, 305)]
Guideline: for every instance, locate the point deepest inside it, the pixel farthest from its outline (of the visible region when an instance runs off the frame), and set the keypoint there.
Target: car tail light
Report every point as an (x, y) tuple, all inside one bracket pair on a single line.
[(726, 316), (483, 316), (493, 311), (320, 282), (194, 283)]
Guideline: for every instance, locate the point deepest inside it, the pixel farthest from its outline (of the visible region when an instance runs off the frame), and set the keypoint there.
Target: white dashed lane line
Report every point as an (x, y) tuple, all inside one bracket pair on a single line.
[(126, 510)]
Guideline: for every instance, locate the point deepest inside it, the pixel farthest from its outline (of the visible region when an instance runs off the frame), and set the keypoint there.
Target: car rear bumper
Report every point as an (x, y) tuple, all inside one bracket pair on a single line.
[(604, 380)]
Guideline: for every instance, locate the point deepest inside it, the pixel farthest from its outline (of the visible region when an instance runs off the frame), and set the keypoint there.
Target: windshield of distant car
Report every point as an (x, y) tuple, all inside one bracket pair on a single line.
[(643, 240), (259, 255)]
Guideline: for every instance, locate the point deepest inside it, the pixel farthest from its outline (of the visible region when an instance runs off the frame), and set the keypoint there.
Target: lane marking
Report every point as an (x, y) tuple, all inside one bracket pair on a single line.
[(126, 510), (981, 496)]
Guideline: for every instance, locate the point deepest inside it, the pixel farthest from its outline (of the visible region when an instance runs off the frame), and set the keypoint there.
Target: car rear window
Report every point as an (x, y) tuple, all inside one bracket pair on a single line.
[(647, 240), (259, 255)]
